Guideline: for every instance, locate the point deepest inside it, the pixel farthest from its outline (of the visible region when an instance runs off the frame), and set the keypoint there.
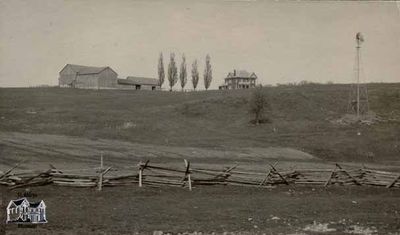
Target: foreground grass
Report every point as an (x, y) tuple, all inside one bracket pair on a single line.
[(125, 210)]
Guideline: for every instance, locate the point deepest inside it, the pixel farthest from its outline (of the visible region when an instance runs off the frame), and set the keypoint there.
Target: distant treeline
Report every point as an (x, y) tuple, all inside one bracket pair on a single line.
[(303, 83)]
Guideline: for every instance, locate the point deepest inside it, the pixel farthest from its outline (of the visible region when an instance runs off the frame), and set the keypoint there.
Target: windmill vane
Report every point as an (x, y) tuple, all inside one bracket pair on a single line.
[(359, 37)]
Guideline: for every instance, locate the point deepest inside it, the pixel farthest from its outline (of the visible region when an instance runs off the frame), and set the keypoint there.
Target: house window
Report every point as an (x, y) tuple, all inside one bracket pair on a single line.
[(153, 88), (137, 87)]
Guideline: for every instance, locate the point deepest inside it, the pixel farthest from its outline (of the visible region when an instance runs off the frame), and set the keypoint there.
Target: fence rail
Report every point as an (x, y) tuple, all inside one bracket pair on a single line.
[(154, 175)]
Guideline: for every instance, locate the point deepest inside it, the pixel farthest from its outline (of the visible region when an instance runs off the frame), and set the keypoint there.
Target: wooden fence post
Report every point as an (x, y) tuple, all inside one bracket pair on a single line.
[(11, 169), (347, 173), (187, 174), (141, 169), (333, 173), (267, 175), (140, 174), (279, 174), (393, 182), (266, 178), (100, 184)]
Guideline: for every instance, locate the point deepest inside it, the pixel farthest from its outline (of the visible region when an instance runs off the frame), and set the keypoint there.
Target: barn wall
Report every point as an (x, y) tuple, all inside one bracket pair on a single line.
[(87, 81), (108, 79), (67, 75)]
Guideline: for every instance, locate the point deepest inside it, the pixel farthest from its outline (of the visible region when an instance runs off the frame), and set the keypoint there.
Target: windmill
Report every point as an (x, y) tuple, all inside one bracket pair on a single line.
[(358, 99)]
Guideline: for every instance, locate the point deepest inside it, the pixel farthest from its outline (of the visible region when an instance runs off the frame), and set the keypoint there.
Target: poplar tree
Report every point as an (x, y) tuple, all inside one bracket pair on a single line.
[(161, 73), (195, 75), (172, 71), (183, 73), (207, 73)]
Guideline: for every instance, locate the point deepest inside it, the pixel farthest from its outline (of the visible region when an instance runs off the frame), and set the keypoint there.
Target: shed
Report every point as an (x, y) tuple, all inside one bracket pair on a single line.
[(139, 83)]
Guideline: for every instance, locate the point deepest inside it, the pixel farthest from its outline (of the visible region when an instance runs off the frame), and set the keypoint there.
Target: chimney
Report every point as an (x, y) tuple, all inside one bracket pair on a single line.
[(234, 72)]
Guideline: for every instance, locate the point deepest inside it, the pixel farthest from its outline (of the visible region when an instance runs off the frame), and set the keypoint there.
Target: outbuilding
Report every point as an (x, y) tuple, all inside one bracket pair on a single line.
[(139, 83)]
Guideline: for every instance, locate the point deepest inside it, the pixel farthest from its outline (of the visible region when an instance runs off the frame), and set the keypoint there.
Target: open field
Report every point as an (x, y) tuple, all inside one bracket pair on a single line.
[(301, 119), (70, 129), (126, 210)]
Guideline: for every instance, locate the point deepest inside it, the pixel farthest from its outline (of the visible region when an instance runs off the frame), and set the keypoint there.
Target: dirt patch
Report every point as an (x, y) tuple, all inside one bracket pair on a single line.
[(357, 229), (350, 119), (319, 227)]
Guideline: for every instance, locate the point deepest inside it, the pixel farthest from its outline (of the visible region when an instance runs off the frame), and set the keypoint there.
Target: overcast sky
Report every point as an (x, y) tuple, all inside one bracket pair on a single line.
[(279, 41)]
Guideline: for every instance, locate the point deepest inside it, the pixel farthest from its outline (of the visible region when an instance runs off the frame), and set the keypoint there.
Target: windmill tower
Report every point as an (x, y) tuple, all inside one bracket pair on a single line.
[(358, 100)]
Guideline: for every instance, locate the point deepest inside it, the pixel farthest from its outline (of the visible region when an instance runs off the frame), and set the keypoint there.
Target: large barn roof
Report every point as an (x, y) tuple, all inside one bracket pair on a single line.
[(82, 69)]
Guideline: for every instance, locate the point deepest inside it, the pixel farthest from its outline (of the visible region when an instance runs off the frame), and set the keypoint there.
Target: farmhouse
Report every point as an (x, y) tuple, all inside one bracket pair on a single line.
[(239, 79), (139, 83), (23, 211), (79, 76)]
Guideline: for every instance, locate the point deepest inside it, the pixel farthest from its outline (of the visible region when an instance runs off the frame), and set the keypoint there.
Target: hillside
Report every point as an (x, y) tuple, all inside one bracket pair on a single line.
[(301, 118)]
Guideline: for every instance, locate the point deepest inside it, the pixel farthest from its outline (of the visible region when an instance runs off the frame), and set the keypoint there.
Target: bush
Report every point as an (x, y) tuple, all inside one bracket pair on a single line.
[(258, 105)]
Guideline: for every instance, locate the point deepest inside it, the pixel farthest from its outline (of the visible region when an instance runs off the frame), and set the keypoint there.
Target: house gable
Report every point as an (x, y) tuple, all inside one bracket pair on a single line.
[(39, 205), (253, 75), (19, 202), (11, 204)]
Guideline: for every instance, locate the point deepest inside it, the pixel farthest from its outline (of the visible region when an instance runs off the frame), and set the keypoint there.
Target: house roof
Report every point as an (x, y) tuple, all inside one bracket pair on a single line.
[(18, 201), (34, 204), (138, 81), (82, 69), (241, 74)]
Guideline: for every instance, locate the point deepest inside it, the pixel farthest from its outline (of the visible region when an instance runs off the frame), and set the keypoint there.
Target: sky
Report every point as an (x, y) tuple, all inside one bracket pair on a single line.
[(281, 41)]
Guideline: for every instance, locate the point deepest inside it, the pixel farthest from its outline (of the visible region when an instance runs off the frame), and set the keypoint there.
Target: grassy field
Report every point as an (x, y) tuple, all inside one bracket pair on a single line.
[(282, 210), (301, 118), (70, 127)]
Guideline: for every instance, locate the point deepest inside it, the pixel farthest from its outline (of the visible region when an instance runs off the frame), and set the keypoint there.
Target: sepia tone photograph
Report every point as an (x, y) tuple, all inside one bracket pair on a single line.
[(199, 117)]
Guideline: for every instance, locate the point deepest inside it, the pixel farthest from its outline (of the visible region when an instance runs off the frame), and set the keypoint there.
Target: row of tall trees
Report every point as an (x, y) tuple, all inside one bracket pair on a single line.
[(172, 73)]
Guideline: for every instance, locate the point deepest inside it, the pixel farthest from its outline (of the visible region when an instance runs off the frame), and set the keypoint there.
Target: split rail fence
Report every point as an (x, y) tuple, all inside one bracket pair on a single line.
[(146, 174)]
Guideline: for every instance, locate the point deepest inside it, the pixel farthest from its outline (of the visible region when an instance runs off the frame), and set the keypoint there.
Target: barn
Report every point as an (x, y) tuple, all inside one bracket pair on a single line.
[(80, 76), (139, 83)]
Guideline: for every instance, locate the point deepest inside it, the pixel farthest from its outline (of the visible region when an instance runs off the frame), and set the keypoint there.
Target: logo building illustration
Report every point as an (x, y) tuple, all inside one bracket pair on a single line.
[(23, 211)]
